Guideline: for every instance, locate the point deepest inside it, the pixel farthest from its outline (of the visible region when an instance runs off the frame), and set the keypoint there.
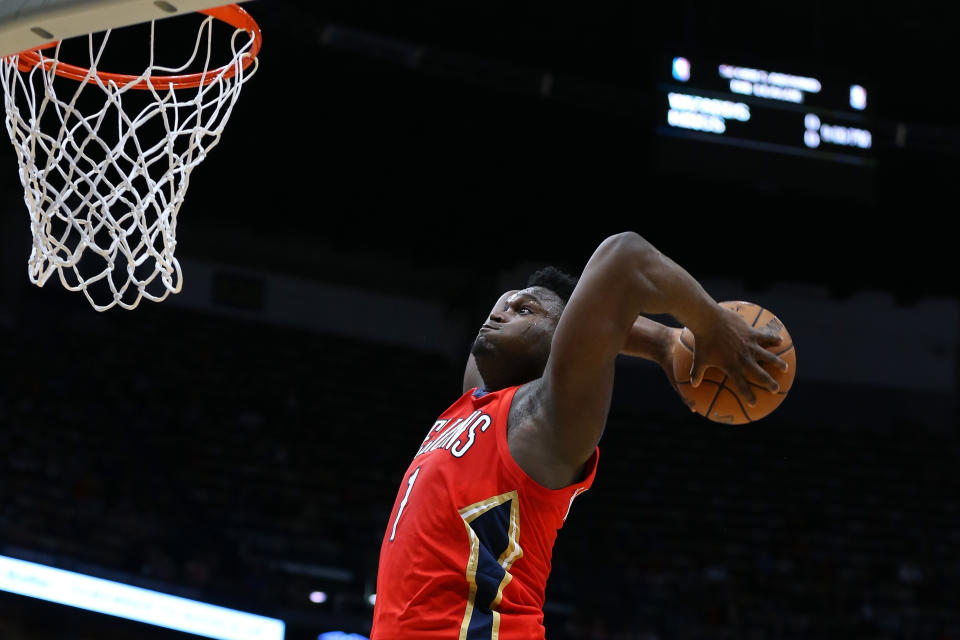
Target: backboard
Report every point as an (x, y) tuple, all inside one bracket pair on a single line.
[(25, 24)]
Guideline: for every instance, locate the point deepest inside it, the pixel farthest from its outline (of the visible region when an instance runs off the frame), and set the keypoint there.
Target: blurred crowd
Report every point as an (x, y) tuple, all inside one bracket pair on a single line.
[(247, 465)]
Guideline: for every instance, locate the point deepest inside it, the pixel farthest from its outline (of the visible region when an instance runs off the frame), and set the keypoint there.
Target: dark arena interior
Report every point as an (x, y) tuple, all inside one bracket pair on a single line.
[(389, 171)]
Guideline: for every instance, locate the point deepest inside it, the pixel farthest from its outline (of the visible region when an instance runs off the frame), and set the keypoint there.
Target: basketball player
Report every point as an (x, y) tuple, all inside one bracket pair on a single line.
[(468, 546)]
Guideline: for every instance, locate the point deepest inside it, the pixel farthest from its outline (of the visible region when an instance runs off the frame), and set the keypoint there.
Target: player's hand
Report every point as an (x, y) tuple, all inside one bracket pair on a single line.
[(739, 350), (665, 356)]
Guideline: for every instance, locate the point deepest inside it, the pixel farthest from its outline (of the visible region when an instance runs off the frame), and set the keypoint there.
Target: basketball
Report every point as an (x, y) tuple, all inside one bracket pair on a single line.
[(719, 401)]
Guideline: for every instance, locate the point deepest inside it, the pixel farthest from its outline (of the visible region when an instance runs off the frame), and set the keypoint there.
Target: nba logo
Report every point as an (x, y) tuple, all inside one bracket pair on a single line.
[(681, 69)]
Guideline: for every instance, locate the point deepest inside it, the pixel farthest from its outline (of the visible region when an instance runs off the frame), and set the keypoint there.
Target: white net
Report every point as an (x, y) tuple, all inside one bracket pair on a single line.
[(105, 167)]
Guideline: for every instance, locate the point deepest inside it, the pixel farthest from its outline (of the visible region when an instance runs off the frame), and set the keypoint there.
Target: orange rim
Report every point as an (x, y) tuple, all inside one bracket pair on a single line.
[(232, 14)]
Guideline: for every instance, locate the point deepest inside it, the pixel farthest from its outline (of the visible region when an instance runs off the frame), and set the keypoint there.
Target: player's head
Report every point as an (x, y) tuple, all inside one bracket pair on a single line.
[(513, 344)]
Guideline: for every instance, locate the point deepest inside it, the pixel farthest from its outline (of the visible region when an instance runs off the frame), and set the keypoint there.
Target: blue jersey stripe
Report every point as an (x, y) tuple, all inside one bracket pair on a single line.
[(492, 530)]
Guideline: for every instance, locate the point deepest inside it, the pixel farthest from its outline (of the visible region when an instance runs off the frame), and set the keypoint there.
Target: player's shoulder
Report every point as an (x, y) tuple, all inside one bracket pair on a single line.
[(527, 405), (533, 443)]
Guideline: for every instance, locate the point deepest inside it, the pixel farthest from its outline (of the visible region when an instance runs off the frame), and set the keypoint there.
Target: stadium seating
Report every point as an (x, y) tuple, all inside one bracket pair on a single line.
[(248, 465)]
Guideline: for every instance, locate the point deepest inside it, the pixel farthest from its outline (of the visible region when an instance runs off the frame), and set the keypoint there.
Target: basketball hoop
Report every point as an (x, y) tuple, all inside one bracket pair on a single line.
[(105, 172)]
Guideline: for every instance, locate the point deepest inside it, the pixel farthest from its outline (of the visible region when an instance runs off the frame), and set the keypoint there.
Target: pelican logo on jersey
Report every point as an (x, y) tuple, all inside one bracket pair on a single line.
[(456, 437)]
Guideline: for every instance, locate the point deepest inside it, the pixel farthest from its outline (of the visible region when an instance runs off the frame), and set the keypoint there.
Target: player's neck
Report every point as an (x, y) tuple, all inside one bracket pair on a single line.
[(495, 378)]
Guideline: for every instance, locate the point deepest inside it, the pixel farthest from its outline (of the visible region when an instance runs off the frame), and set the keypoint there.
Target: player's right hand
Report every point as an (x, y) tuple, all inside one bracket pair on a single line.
[(739, 350)]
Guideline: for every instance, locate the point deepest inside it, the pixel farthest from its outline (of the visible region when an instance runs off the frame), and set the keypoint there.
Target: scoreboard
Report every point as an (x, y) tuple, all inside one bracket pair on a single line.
[(767, 109), (768, 123)]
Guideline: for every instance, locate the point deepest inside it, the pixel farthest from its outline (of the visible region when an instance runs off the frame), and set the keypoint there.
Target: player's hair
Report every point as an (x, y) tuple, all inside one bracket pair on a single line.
[(555, 280)]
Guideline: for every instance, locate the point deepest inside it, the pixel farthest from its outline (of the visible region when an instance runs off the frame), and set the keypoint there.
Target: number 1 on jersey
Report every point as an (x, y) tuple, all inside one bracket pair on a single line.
[(403, 503)]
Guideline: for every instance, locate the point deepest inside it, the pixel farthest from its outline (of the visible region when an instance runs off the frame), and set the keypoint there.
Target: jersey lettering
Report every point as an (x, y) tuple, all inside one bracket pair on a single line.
[(448, 436), (451, 435), (483, 422), (403, 503)]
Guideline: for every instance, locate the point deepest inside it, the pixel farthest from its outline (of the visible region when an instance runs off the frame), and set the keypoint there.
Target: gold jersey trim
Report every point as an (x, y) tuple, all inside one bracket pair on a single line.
[(510, 555)]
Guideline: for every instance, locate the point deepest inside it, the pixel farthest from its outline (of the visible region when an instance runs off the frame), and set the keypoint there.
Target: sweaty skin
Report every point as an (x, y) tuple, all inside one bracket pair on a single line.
[(563, 356)]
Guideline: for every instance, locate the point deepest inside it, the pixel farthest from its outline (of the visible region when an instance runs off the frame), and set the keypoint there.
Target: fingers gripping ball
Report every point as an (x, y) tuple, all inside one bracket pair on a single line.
[(718, 400)]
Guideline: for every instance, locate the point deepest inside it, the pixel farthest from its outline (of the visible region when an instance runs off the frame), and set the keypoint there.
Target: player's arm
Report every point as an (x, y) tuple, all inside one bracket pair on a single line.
[(627, 277), (648, 339), (651, 340)]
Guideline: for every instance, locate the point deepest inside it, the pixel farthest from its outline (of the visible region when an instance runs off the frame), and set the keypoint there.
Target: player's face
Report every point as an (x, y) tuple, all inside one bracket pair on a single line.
[(519, 328)]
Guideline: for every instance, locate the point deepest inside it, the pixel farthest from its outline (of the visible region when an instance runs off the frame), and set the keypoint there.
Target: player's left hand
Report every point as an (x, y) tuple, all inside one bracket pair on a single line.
[(665, 358)]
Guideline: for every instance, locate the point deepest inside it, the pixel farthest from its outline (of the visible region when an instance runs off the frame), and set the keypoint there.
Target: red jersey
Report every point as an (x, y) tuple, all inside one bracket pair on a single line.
[(466, 553)]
